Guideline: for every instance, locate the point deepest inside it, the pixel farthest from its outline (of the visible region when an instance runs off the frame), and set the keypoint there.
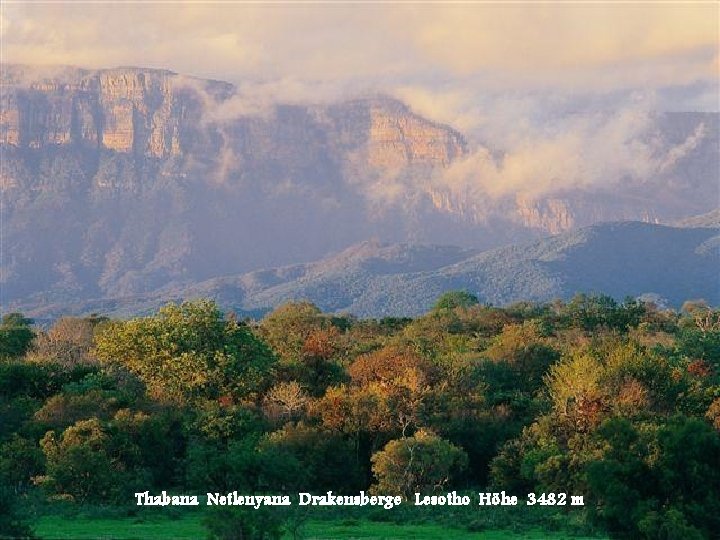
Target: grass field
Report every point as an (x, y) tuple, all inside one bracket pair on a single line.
[(190, 527)]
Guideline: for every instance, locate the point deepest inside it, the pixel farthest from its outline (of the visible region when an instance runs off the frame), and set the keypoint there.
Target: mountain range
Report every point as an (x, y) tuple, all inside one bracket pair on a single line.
[(132, 183), (666, 264)]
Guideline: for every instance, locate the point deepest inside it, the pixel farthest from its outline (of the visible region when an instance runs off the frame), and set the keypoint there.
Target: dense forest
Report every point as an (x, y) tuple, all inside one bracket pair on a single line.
[(617, 402)]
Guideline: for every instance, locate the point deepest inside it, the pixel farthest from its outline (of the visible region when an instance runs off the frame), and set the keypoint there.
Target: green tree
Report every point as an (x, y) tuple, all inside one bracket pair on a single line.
[(327, 459), (188, 352), (526, 350), (455, 299), (16, 335), (417, 464), (78, 463), (246, 523), (13, 524), (592, 311), (288, 327), (657, 483), (20, 460)]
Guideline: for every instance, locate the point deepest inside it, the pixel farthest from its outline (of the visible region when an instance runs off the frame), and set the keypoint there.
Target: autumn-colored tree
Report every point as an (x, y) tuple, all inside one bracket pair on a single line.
[(388, 365), (713, 414), (320, 364), (68, 342)]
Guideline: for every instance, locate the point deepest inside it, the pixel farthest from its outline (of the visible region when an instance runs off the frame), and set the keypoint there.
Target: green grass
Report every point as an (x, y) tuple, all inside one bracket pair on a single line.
[(82, 528), (190, 527), (334, 530)]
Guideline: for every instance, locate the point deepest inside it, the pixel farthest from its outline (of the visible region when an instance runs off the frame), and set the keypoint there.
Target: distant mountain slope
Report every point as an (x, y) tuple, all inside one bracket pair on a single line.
[(370, 279), (710, 219)]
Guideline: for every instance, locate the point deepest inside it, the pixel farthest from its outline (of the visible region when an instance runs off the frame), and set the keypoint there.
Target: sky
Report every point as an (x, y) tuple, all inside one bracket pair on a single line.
[(428, 52), (531, 79)]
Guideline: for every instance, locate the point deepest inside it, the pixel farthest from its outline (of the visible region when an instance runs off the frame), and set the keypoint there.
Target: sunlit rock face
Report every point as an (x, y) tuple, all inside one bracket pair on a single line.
[(397, 138), (119, 181), (154, 113), (124, 110)]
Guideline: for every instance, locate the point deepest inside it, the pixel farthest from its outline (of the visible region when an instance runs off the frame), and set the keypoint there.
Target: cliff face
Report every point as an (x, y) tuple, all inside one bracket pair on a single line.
[(116, 181), (398, 138), (157, 114), (124, 110)]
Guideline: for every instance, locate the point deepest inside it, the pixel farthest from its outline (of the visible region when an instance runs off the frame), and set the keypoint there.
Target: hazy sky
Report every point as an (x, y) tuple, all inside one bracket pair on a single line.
[(434, 54)]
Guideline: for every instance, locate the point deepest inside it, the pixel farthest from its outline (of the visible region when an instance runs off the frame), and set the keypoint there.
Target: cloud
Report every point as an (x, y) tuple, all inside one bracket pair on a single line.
[(259, 98), (677, 153), (583, 46), (596, 151)]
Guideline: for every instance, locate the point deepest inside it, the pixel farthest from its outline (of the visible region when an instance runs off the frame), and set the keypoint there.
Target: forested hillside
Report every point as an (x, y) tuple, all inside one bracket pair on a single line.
[(371, 279), (616, 402)]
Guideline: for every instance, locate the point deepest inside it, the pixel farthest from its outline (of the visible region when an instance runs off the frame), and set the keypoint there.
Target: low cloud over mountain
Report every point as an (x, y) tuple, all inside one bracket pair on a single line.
[(123, 181)]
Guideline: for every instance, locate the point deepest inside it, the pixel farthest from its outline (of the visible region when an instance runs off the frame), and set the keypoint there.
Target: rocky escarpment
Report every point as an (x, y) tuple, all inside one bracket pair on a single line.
[(157, 114), (116, 182), (398, 138), (124, 109), (120, 180)]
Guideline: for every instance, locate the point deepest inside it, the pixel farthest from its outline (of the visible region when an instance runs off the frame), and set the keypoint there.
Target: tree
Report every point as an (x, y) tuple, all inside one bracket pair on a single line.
[(13, 525), (401, 379), (620, 481), (592, 311), (316, 366), (524, 348), (78, 463), (657, 483), (20, 460), (189, 352), (387, 365), (63, 410), (286, 401), (417, 464), (288, 327), (327, 459), (713, 413), (455, 299), (68, 342), (16, 335)]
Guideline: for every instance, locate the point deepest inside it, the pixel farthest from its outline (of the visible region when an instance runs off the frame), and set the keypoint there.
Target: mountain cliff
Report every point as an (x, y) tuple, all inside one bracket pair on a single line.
[(117, 181), (121, 181)]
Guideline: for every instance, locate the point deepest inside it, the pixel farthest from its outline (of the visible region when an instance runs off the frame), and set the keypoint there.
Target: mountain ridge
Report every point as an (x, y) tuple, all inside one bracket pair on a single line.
[(374, 279)]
